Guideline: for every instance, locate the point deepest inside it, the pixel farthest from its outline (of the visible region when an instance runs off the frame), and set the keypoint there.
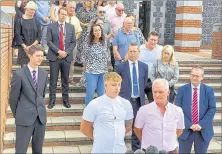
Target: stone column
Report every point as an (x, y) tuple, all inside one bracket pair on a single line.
[(157, 18), (217, 42), (188, 26)]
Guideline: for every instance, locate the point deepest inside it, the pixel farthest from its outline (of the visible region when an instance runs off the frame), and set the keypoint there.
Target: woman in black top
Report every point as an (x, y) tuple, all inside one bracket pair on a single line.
[(27, 33)]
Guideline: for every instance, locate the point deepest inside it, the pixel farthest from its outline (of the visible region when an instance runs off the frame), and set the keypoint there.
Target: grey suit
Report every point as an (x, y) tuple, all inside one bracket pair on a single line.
[(28, 108), (56, 64)]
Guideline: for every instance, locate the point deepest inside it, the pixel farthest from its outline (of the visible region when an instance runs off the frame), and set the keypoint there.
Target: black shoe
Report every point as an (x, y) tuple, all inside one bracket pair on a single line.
[(66, 104), (51, 104)]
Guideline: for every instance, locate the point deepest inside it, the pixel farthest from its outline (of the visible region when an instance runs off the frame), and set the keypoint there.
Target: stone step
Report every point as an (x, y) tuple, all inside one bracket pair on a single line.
[(214, 147), (183, 70), (78, 89), (73, 123), (71, 137)]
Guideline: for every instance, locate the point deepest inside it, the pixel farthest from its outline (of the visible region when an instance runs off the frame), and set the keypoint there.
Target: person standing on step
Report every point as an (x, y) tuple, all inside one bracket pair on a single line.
[(108, 118), (150, 52), (26, 100), (134, 74), (61, 41), (199, 106)]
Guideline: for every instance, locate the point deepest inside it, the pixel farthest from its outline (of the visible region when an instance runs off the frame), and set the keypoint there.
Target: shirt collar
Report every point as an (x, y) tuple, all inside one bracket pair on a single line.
[(62, 23), (31, 69), (167, 106), (131, 62), (192, 86)]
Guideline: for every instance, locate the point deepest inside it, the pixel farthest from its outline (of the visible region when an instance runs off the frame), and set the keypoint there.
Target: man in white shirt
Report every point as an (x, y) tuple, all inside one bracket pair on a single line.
[(149, 54), (108, 118), (110, 9), (160, 122)]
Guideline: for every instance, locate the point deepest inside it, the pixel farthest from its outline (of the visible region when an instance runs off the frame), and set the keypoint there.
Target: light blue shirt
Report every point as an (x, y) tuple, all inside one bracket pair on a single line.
[(123, 40), (108, 117), (42, 10), (149, 57)]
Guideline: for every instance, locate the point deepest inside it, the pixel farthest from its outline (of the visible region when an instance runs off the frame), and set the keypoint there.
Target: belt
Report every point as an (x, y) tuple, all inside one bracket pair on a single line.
[(135, 99)]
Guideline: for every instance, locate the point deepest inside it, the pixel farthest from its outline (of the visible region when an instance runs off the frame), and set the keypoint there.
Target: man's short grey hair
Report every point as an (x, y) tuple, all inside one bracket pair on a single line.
[(164, 81), (198, 67), (35, 48)]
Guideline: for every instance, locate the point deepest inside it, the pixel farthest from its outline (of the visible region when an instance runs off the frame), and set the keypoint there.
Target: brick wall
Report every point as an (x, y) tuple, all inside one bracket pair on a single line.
[(217, 42), (5, 71)]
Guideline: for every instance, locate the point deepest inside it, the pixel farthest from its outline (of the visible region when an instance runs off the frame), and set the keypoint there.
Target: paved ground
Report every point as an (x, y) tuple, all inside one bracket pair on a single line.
[(193, 56)]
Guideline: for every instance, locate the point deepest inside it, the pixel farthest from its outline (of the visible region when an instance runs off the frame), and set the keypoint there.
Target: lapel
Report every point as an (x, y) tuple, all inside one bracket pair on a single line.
[(66, 30), (127, 68), (189, 99), (201, 97), (29, 76), (57, 28), (41, 82), (139, 72)]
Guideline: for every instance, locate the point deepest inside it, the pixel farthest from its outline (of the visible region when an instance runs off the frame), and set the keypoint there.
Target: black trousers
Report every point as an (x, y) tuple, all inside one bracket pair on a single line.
[(24, 134), (55, 66), (112, 57), (135, 142)]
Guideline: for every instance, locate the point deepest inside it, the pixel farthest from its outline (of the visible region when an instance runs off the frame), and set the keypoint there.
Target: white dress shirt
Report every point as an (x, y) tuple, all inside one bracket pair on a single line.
[(131, 75), (31, 71), (160, 130), (198, 98), (108, 117)]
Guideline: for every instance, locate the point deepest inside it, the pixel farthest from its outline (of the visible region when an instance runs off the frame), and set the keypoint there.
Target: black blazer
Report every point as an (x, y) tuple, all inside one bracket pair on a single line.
[(53, 41)]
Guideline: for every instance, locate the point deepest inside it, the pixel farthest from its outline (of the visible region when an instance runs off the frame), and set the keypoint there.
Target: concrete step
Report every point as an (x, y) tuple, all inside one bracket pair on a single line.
[(183, 70), (214, 147), (71, 137), (73, 123)]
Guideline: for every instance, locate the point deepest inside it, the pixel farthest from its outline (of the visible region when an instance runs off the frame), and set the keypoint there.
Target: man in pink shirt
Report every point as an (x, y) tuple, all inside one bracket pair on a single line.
[(160, 122), (117, 18)]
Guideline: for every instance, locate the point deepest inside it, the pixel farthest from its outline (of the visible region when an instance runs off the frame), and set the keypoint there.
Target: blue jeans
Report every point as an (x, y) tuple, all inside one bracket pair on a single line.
[(94, 82)]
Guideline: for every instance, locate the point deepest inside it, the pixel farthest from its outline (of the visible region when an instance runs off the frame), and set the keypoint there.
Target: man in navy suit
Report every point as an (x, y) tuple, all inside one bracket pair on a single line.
[(198, 103), (61, 41), (134, 74)]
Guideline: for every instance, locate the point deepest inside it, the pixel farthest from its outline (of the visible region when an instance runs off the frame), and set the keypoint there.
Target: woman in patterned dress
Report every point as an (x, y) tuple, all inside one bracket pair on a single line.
[(95, 61), (27, 33)]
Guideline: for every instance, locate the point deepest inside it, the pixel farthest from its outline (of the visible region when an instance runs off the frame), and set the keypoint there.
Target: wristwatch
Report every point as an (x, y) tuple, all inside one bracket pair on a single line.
[(121, 60)]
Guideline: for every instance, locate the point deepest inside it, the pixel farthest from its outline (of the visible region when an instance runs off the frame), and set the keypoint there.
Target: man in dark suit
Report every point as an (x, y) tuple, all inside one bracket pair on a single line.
[(26, 100), (134, 74), (61, 41), (198, 103)]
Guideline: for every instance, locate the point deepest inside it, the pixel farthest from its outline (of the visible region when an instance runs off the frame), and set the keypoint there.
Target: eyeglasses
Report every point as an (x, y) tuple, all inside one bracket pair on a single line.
[(102, 12), (194, 76)]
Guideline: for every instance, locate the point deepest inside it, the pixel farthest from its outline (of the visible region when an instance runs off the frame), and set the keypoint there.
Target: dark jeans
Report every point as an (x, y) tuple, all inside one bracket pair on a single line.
[(112, 57)]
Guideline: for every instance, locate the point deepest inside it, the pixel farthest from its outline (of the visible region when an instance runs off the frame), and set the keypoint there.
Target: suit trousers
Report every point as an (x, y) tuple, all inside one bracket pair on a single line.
[(135, 142), (24, 134), (200, 145), (55, 66)]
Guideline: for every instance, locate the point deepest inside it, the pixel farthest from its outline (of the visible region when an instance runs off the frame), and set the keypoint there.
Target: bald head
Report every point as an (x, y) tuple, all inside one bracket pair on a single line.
[(120, 6)]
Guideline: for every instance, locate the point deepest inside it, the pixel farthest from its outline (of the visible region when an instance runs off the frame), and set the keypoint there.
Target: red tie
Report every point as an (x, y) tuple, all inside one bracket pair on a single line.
[(61, 38), (195, 107)]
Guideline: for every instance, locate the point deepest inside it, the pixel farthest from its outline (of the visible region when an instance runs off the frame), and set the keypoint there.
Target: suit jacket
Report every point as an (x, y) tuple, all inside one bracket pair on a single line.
[(123, 70), (207, 109), (53, 41), (25, 100)]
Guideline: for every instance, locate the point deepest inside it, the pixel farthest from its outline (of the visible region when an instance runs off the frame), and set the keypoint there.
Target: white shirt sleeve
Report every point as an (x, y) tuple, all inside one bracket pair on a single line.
[(129, 110), (90, 112), (180, 116)]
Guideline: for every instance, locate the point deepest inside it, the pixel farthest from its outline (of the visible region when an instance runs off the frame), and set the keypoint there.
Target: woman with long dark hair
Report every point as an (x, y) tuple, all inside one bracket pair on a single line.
[(95, 61)]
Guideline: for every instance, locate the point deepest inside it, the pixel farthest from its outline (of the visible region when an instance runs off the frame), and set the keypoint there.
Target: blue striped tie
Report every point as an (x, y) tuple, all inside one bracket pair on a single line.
[(34, 78), (135, 83)]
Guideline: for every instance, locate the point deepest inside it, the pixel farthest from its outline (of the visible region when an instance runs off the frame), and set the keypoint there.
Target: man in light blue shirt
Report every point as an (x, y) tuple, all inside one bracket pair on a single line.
[(108, 118), (42, 14), (123, 39)]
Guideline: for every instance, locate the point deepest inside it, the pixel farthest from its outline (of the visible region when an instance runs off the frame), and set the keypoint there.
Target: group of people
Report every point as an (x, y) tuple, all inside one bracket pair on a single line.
[(96, 36)]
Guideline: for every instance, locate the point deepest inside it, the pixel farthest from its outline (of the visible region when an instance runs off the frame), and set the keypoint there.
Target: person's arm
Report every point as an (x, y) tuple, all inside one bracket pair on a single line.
[(86, 128), (46, 82), (18, 32), (39, 33), (153, 74), (16, 85), (72, 45), (52, 13), (128, 125), (175, 77), (116, 53), (138, 132), (209, 115), (179, 132), (38, 13)]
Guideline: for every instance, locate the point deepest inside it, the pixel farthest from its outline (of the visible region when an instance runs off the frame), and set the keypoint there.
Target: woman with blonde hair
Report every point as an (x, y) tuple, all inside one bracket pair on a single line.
[(167, 68)]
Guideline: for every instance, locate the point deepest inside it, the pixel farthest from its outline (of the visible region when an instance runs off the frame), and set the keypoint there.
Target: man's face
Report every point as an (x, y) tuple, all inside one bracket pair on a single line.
[(36, 58), (30, 11), (101, 12), (133, 53), (112, 88), (112, 3), (62, 16), (71, 9), (128, 25), (119, 11), (152, 41), (196, 76), (160, 93)]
